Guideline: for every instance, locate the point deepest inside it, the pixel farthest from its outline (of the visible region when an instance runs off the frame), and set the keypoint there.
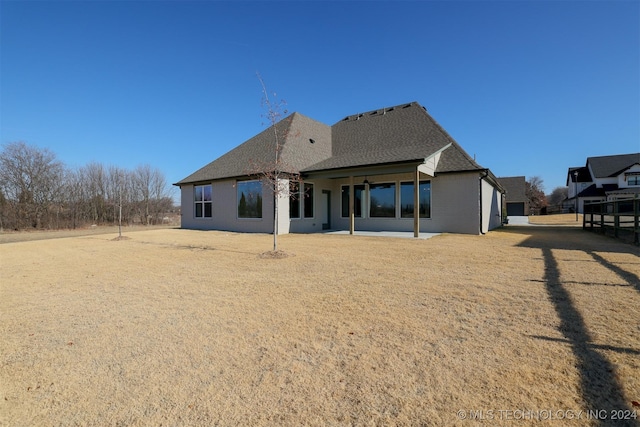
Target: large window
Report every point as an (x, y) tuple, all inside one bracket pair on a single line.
[(249, 199), (358, 200), (382, 200), (406, 199), (203, 207), (301, 199)]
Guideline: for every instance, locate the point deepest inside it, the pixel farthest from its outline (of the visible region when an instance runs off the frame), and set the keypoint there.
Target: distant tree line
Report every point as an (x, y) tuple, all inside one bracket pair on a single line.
[(37, 191)]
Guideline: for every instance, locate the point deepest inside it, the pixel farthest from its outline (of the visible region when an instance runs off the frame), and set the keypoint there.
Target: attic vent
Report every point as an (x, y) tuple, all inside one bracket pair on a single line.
[(407, 106), (373, 113), (311, 140), (391, 109)]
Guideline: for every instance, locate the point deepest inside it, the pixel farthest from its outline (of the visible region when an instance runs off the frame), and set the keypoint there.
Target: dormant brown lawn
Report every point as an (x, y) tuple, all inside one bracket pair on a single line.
[(178, 327)]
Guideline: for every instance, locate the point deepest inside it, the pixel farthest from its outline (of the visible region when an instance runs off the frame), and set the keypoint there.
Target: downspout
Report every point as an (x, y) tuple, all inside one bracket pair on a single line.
[(484, 174)]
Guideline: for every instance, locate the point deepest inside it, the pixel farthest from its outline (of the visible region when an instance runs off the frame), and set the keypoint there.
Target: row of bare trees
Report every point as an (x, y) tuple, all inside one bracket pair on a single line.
[(38, 191)]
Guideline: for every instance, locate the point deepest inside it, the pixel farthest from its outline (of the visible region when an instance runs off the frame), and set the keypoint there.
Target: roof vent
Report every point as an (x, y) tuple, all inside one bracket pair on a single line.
[(311, 140), (407, 106)]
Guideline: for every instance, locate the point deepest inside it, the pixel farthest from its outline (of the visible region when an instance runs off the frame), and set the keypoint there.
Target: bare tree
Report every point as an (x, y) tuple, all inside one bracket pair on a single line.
[(151, 188), (31, 180), (143, 175), (117, 189), (3, 210), (535, 194), (557, 196), (76, 198), (274, 173), (95, 177)]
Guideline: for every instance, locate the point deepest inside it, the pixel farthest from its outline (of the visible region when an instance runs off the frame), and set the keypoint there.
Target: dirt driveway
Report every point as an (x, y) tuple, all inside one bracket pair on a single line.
[(181, 327)]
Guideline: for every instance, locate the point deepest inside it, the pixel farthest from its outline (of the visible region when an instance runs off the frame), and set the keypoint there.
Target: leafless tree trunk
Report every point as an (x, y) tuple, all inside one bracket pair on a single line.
[(271, 171)]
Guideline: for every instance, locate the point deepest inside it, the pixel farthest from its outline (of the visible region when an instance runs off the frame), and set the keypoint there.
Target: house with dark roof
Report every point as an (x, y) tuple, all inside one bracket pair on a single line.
[(393, 169), (516, 195), (603, 178)]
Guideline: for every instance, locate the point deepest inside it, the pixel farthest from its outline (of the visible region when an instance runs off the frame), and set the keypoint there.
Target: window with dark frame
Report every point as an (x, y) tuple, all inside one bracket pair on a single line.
[(406, 199), (307, 197), (203, 201), (249, 199), (633, 178), (382, 200), (294, 200), (358, 200)]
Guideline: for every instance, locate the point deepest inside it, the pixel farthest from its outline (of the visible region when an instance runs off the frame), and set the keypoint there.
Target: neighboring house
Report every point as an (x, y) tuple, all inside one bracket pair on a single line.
[(365, 172), (516, 195), (603, 178)]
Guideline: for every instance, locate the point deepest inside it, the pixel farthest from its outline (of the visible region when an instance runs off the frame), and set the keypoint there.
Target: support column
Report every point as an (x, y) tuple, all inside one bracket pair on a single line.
[(416, 204), (352, 216)]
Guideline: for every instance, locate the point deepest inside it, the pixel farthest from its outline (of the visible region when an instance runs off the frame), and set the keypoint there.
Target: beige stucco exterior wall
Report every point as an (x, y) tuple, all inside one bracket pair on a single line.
[(225, 210), (455, 207), (491, 207), (455, 203)]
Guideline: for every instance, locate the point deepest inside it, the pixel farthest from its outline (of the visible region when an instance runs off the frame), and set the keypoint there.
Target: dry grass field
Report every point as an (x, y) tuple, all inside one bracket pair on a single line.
[(522, 326), (558, 219)]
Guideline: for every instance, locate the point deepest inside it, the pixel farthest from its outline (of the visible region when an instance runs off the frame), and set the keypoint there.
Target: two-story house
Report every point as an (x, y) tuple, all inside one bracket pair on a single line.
[(602, 179)]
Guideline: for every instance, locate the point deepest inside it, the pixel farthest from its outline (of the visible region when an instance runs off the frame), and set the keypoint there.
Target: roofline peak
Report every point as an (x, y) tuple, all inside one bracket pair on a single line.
[(381, 111)]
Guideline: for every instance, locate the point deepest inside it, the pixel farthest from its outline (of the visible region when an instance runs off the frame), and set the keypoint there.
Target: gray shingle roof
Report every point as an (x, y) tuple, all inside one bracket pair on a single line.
[(402, 133), (396, 134), (515, 187), (583, 174), (608, 166), (298, 151)]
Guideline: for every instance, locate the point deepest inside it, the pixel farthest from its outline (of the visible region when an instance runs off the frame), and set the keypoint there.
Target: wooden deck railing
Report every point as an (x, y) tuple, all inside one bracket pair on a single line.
[(618, 218)]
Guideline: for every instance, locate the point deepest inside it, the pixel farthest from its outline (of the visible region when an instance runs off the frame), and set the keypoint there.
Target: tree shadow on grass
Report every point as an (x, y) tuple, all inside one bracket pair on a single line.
[(600, 387), (598, 381), (631, 278), (572, 238)]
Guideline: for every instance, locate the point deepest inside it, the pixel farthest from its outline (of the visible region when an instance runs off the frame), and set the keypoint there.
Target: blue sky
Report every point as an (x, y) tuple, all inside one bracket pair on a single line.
[(528, 87)]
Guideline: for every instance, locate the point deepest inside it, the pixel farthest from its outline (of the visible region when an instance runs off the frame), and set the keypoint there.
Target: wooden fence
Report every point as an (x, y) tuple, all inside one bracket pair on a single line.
[(617, 218)]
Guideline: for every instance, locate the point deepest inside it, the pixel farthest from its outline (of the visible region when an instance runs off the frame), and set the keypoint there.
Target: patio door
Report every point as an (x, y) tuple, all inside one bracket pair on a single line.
[(325, 207)]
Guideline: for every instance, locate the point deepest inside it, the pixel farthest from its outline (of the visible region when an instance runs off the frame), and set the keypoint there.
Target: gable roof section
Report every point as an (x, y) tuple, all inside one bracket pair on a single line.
[(610, 166), (583, 174), (298, 150), (396, 134), (516, 188)]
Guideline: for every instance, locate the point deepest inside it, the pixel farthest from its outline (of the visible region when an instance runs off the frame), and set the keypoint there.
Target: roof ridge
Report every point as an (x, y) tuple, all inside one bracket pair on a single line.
[(379, 111)]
